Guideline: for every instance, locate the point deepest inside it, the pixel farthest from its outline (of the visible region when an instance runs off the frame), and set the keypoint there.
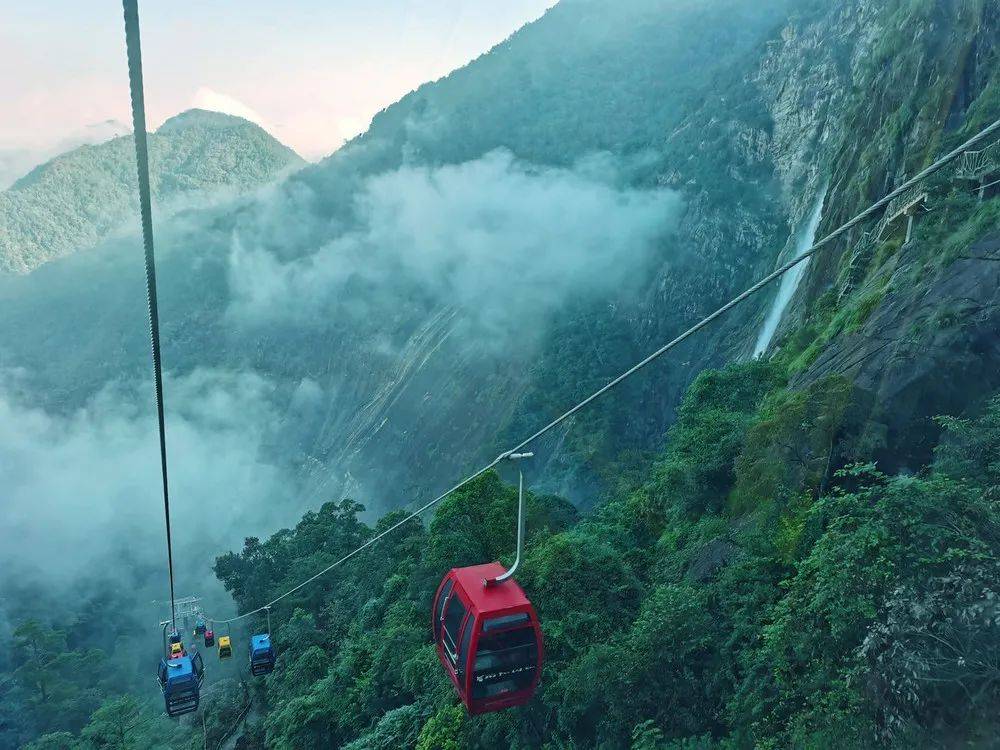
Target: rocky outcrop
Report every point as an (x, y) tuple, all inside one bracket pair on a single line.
[(868, 94), (927, 349)]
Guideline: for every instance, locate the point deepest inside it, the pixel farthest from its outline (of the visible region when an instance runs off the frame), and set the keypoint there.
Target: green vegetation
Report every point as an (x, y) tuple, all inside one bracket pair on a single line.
[(825, 323), (78, 198), (750, 579), (962, 220), (748, 593)]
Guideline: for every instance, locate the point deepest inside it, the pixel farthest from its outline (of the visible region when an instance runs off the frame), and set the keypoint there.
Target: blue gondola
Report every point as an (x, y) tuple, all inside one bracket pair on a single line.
[(261, 655), (199, 626), (180, 681)]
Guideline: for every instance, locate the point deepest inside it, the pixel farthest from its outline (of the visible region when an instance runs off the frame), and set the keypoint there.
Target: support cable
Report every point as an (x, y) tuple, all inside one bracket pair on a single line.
[(780, 271), (142, 167)]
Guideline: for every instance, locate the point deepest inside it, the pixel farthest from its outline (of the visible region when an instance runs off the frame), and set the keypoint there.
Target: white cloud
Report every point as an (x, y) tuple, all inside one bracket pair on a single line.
[(206, 98), (80, 488), (502, 240)]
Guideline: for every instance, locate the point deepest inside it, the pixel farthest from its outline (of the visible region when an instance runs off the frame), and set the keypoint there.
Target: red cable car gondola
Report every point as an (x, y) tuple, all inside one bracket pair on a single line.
[(488, 638), (487, 633)]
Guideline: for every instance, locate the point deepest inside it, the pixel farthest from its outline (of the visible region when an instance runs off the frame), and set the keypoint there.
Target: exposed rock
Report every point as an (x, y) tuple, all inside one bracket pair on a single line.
[(924, 351), (710, 559)]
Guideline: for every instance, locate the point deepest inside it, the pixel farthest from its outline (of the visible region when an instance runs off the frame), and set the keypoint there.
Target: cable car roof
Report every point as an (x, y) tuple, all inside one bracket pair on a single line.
[(180, 667), (258, 642), (506, 595)]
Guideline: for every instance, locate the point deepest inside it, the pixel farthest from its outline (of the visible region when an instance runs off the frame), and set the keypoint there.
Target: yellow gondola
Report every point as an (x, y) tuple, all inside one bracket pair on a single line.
[(225, 647)]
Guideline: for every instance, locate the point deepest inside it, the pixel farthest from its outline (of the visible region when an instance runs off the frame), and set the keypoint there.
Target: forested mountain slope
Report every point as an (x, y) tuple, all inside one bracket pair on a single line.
[(516, 230), (17, 161), (793, 551), (78, 198)]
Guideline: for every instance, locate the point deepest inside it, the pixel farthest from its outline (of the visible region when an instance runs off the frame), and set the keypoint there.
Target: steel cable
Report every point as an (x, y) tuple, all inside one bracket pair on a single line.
[(145, 211), (742, 297)]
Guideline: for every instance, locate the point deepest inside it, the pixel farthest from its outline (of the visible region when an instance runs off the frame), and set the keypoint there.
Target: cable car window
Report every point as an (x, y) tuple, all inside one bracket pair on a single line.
[(442, 602), (453, 615), (463, 649), (497, 623), (505, 662)]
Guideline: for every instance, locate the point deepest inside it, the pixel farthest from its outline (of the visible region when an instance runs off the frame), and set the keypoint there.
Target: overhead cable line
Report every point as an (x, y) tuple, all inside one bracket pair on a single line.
[(780, 271), (142, 166)]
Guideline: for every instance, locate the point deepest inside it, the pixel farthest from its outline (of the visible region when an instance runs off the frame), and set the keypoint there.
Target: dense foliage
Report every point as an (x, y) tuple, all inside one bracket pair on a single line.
[(704, 607)]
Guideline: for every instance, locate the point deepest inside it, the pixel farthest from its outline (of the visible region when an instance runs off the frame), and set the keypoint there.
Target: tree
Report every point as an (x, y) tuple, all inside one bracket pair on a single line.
[(38, 648), (935, 649), (54, 741), (117, 725), (968, 447), (790, 446), (398, 729), (698, 466), (891, 532), (444, 730), (647, 736)]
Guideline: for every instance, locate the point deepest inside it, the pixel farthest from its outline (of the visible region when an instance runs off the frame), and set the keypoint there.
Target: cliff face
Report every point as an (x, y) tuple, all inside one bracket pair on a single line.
[(838, 105), (926, 349), (910, 320)]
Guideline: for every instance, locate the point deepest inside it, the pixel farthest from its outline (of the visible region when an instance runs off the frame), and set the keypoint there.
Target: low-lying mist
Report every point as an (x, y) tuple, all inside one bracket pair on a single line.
[(504, 241), (82, 499), (293, 335)]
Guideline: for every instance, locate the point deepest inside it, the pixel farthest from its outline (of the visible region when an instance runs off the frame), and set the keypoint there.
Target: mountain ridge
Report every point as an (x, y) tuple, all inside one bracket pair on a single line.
[(55, 210)]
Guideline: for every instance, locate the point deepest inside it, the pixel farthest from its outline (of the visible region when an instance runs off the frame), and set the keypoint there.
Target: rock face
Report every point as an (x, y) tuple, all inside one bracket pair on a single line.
[(79, 198), (917, 333), (925, 350)]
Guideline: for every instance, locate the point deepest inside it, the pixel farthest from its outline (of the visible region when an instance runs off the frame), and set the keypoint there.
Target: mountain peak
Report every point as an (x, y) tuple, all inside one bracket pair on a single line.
[(74, 200), (202, 118)]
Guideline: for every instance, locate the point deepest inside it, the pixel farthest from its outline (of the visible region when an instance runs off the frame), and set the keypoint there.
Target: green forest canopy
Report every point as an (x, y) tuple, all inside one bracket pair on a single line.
[(699, 608)]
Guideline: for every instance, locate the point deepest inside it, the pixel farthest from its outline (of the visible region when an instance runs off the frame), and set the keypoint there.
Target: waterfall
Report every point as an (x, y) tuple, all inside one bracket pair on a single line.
[(790, 281)]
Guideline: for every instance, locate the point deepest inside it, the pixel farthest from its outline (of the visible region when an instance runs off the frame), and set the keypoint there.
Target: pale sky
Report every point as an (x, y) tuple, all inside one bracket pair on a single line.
[(312, 72)]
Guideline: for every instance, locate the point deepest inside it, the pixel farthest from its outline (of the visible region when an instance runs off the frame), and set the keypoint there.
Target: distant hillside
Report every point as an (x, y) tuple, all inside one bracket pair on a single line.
[(78, 198), (17, 161), (383, 273)]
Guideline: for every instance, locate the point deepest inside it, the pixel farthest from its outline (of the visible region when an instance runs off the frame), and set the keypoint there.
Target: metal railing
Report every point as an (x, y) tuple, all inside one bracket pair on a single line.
[(975, 165), (903, 205)]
